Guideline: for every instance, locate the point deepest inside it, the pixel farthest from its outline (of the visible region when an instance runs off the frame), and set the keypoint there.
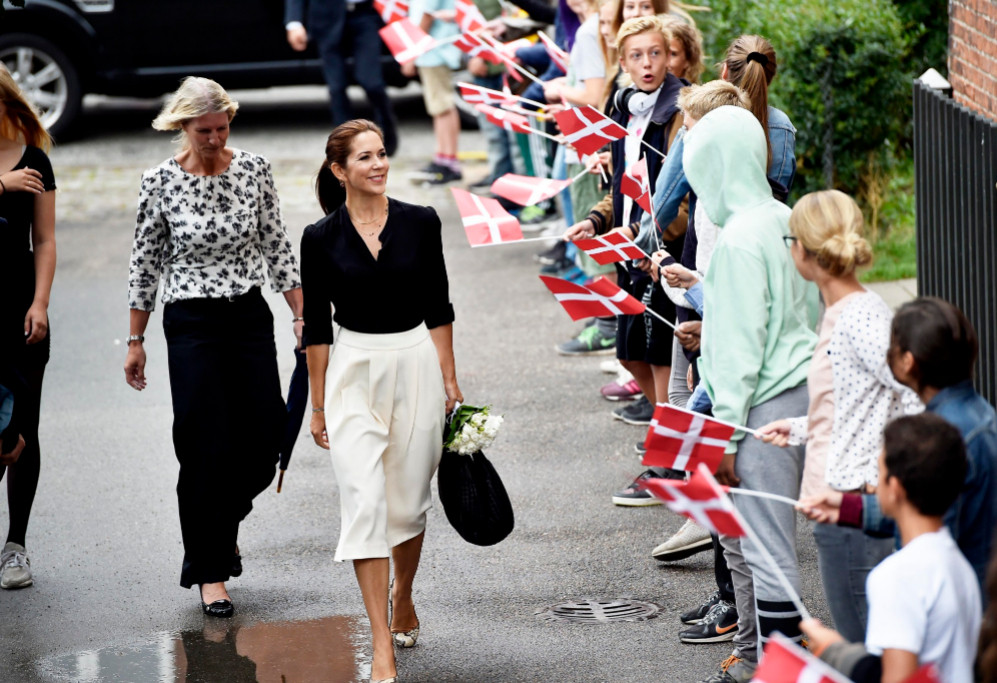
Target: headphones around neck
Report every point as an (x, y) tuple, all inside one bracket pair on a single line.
[(631, 98)]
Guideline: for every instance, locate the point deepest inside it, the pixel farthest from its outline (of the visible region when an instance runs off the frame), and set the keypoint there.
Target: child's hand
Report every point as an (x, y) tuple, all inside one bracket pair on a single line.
[(677, 275), (408, 69), (775, 433), (820, 636), (688, 334), (824, 508)]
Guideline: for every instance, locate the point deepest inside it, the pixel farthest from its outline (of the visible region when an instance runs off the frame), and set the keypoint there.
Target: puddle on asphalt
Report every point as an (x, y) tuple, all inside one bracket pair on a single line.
[(224, 651)]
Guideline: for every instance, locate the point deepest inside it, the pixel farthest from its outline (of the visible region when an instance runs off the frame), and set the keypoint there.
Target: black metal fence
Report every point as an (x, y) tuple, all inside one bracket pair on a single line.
[(955, 167)]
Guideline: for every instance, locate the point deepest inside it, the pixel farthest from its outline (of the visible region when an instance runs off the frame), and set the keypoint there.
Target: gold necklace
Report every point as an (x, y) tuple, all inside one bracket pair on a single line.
[(373, 220)]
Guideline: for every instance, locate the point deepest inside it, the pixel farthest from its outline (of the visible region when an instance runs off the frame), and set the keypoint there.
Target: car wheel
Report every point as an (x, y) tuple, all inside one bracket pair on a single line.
[(46, 76)]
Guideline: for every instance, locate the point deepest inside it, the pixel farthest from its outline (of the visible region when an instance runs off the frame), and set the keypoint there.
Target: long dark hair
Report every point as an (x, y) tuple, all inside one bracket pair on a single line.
[(330, 192), (941, 339)]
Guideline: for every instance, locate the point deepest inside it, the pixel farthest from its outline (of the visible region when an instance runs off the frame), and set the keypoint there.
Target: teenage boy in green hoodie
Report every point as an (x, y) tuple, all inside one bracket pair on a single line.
[(757, 341)]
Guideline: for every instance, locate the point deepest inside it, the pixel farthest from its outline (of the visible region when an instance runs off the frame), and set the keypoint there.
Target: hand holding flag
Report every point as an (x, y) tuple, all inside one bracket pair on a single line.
[(784, 661)]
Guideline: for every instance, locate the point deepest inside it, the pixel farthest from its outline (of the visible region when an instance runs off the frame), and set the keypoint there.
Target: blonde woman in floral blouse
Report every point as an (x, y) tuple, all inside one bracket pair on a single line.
[(208, 220)]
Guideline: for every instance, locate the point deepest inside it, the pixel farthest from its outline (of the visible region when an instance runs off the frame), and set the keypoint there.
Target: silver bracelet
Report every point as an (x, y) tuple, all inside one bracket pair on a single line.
[(134, 337)]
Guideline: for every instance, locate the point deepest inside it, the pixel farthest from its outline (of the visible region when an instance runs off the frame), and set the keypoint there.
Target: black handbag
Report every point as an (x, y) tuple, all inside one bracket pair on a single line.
[(474, 498)]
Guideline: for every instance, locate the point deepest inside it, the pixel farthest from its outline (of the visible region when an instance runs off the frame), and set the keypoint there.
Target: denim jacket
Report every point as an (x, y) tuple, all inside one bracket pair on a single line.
[(973, 517), (671, 186)]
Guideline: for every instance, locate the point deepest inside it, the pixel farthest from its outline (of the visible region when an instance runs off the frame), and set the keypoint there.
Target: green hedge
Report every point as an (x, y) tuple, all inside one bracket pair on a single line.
[(841, 79)]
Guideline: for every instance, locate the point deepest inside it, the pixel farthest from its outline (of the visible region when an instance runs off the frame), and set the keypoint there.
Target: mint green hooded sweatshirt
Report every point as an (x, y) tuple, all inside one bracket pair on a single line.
[(760, 315)]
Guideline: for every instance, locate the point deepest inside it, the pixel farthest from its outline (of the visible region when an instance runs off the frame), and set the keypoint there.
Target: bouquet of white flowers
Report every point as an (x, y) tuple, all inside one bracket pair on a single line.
[(470, 429)]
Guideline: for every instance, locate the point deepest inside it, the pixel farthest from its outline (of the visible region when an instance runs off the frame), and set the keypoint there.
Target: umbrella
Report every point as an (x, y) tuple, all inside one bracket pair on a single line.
[(297, 399)]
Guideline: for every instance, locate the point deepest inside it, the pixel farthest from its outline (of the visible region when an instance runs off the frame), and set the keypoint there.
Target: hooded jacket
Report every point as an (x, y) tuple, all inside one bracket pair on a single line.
[(760, 315)]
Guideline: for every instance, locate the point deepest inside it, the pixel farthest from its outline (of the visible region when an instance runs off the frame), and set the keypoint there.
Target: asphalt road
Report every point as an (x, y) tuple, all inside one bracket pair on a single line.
[(105, 541)]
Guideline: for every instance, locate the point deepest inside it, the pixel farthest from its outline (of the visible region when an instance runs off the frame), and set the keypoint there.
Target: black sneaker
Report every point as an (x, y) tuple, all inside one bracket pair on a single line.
[(718, 625), (697, 614), (552, 255), (639, 412), (634, 496), (446, 175), (640, 448), (483, 184), (590, 342)]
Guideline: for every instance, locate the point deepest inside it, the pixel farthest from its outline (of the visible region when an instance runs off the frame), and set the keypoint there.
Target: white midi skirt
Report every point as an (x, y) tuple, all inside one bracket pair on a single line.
[(384, 412)]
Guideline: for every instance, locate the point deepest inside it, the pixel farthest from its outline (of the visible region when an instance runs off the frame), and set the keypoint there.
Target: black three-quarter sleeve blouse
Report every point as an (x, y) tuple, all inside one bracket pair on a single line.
[(404, 286)]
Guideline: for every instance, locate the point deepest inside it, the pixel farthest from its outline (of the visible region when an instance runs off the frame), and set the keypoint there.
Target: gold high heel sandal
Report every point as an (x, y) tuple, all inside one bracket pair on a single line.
[(402, 638)]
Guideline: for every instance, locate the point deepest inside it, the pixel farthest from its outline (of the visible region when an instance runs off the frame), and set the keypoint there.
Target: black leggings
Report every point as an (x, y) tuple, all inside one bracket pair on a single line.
[(22, 476)]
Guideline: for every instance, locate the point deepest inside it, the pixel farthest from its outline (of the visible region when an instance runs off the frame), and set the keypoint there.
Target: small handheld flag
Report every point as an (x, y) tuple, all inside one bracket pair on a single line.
[(601, 298), (527, 190), (485, 221), (612, 247), (700, 499), (635, 184), (588, 129), (517, 123), (471, 45), (557, 55), (784, 661), (469, 17), (391, 10), (406, 40), (682, 439)]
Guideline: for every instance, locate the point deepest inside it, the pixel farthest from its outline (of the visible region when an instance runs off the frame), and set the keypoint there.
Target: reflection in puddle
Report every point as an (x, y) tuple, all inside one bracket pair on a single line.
[(282, 652)]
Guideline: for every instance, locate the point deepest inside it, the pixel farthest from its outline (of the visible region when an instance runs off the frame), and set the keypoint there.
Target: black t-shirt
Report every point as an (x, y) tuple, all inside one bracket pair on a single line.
[(406, 285), (17, 214)]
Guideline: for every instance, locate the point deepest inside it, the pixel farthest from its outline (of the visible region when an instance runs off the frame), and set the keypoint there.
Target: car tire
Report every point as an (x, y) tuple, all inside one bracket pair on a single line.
[(47, 77)]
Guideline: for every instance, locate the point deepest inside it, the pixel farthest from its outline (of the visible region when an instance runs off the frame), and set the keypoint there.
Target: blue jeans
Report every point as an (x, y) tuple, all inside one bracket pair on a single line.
[(845, 557), (560, 172)]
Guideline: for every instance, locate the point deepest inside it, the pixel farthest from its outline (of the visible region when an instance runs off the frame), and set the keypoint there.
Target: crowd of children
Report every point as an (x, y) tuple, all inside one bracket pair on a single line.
[(867, 417)]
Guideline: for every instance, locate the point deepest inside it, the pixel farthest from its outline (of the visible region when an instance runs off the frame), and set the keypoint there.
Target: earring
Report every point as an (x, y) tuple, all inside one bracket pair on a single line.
[(342, 184)]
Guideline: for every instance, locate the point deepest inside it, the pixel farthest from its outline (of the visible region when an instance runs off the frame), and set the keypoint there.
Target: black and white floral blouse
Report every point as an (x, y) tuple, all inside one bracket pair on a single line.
[(207, 236)]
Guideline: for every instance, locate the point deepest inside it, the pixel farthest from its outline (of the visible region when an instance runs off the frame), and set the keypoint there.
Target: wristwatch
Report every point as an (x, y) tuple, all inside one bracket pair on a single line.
[(134, 337)]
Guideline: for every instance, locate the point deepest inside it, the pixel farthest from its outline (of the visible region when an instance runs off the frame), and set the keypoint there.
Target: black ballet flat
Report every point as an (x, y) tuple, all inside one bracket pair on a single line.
[(236, 564), (222, 609)]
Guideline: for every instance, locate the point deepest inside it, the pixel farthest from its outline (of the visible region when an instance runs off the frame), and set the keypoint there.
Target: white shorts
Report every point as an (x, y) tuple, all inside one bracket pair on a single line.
[(384, 413)]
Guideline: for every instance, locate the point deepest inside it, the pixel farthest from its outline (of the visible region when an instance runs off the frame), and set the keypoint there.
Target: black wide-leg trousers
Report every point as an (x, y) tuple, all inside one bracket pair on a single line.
[(228, 419)]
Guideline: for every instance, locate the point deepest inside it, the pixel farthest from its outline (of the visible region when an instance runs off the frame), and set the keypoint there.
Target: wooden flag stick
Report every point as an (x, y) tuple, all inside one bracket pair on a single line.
[(521, 99), (280, 480), (528, 239), (671, 325), (653, 149)]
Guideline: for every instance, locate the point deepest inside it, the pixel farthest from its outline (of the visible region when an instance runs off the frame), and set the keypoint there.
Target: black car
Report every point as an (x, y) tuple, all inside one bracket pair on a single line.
[(60, 50)]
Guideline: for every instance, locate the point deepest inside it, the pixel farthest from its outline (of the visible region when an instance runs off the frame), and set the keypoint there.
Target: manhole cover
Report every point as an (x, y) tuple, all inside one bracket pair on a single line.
[(600, 611)]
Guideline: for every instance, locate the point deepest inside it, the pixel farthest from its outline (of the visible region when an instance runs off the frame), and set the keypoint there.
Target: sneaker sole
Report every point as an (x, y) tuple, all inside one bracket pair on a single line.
[(684, 552), (15, 586), (616, 399), (719, 638), (639, 423), (591, 352), (635, 502)]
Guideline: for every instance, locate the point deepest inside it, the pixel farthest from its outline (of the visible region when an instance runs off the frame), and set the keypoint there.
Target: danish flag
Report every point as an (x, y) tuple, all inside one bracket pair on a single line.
[(517, 123), (612, 247), (406, 40), (588, 129), (600, 298), (700, 499), (476, 94), (786, 662), (527, 190), (681, 439), (557, 55), (635, 184), (485, 221), (391, 10), (473, 46), (469, 17)]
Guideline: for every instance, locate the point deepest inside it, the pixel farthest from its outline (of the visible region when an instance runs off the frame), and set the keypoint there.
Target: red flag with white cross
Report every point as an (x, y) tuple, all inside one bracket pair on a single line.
[(635, 184), (588, 129), (612, 247), (527, 190), (600, 298), (406, 40), (469, 17), (476, 94), (471, 45), (700, 499), (926, 674), (391, 10), (557, 55), (681, 439), (783, 661), (485, 221), (517, 123)]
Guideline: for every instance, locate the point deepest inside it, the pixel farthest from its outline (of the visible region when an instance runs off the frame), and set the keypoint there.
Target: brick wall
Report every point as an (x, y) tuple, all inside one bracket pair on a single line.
[(973, 54)]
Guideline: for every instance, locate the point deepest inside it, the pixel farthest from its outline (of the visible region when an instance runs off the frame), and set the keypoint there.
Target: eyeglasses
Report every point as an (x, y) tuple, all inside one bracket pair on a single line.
[(789, 239)]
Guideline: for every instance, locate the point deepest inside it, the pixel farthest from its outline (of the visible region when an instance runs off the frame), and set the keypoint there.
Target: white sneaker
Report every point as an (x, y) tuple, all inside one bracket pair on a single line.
[(611, 367), (15, 567), (690, 539)]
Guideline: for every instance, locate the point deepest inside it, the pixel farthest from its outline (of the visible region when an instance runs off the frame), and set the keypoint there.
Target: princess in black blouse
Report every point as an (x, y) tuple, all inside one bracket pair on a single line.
[(379, 401)]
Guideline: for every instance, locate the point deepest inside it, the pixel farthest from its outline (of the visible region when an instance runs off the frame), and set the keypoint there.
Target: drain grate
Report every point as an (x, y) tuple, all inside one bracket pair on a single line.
[(591, 611)]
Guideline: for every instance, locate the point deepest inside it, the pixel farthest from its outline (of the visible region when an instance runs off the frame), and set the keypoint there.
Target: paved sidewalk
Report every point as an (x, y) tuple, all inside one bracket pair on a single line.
[(897, 292)]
